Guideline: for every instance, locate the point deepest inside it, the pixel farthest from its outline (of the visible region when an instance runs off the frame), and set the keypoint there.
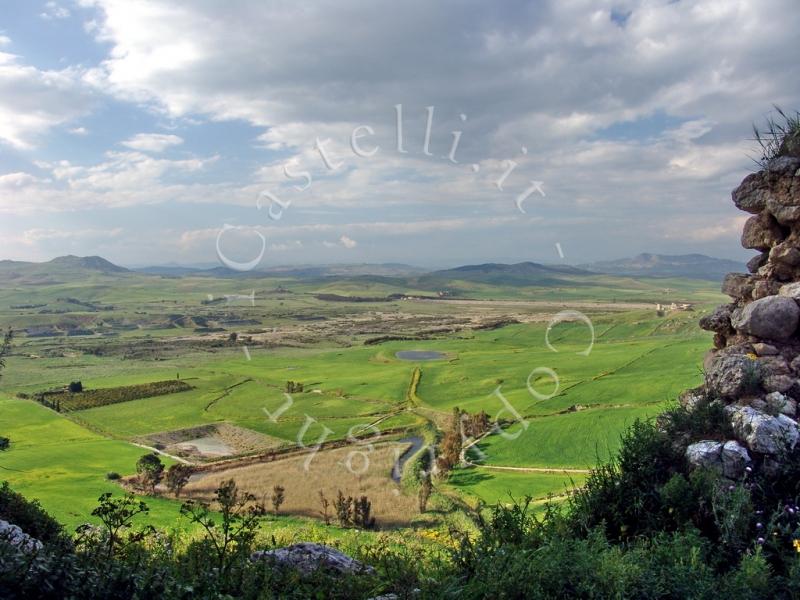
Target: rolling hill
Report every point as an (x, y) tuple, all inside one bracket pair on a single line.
[(62, 268), (692, 266)]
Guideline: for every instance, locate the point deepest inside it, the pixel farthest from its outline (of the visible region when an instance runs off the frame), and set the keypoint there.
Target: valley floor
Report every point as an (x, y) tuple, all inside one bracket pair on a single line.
[(331, 385)]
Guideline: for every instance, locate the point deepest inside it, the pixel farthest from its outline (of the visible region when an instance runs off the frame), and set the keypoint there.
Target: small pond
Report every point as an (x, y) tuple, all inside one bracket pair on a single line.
[(420, 355)]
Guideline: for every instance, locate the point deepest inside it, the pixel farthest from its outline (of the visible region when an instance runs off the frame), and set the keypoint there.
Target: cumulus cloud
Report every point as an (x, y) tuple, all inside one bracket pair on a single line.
[(628, 121), (122, 179), (32, 101), (152, 142), (16, 180)]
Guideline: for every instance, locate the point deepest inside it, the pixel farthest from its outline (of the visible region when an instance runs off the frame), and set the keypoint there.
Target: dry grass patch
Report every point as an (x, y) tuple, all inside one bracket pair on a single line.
[(211, 441), (329, 471)]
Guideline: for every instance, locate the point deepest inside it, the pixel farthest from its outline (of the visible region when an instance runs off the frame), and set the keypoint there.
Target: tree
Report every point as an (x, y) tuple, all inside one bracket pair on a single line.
[(325, 506), (293, 387), (177, 477), (233, 337), (116, 515), (5, 348), (278, 496), (240, 518), (344, 509), (425, 490), (75, 387), (451, 444), (150, 470), (361, 513)]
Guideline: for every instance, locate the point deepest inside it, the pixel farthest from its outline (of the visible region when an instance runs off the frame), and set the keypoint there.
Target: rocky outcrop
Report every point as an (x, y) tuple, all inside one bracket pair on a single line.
[(16, 537), (754, 368), (307, 557), (770, 318), (729, 458), (763, 433)]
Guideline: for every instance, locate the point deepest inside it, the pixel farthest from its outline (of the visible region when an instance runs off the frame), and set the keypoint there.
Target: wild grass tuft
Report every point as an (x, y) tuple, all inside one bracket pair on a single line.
[(780, 136)]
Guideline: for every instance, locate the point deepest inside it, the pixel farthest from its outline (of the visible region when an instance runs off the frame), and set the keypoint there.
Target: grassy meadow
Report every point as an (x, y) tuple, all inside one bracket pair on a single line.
[(145, 329)]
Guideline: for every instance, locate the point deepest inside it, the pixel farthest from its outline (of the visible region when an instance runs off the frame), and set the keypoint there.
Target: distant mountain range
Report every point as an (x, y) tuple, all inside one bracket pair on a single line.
[(518, 274), (692, 266), (312, 271)]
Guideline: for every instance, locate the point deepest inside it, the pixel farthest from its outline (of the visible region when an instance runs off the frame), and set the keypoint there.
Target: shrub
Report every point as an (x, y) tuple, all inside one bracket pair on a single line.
[(362, 508), (112, 476), (278, 497), (230, 538), (29, 516), (344, 509), (623, 495), (177, 477)]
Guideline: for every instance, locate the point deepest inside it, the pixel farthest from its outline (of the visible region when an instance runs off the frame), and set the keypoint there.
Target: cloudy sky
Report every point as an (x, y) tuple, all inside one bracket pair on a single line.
[(154, 131)]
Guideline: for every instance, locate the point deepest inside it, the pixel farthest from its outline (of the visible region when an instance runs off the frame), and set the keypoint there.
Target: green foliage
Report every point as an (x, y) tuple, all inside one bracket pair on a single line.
[(230, 536), (294, 387), (117, 516), (425, 491), (705, 420), (29, 516), (150, 470), (76, 398), (517, 555), (5, 348), (623, 496), (146, 564)]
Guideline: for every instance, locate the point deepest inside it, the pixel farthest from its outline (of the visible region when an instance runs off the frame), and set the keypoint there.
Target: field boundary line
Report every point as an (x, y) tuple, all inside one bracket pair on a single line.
[(226, 391)]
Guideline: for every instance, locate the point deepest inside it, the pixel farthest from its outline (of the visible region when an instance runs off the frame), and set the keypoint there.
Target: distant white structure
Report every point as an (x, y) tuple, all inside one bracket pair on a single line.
[(674, 306)]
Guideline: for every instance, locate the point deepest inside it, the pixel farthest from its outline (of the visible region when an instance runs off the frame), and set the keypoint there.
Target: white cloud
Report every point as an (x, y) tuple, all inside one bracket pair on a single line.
[(79, 131), (122, 179), (53, 10), (286, 246), (38, 235), (32, 101), (347, 242), (152, 142), (628, 123), (16, 180), (705, 230)]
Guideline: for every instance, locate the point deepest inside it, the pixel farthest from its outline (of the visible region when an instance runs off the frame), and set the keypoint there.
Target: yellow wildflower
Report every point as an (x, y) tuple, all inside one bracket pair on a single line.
[(751, 356), (796, 544)]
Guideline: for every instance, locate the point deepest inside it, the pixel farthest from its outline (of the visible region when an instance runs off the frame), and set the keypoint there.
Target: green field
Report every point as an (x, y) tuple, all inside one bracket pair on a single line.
[(158, 329), (65, 465)]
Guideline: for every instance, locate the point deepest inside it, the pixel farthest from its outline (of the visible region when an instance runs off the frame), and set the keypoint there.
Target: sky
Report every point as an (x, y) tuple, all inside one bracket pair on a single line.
[(427, 133)]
